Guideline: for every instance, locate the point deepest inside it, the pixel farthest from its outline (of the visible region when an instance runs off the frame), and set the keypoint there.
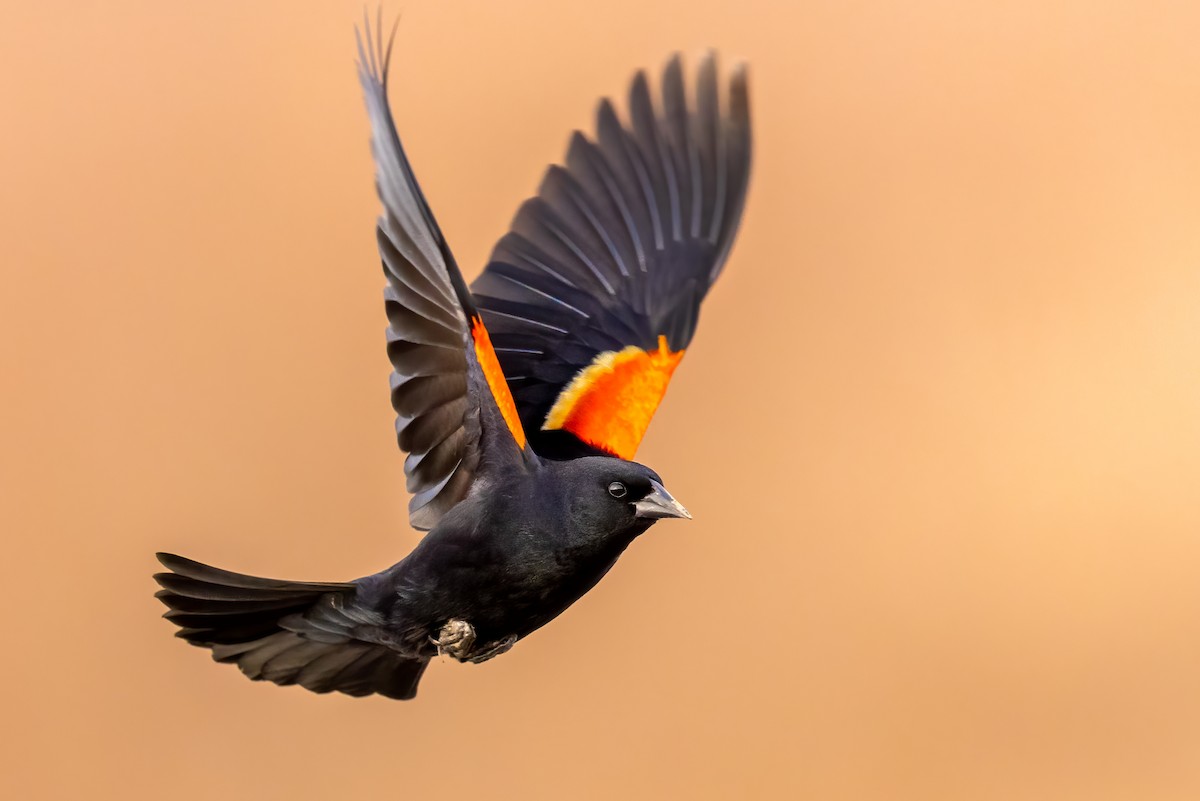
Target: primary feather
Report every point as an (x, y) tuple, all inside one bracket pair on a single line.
[(620, 245)]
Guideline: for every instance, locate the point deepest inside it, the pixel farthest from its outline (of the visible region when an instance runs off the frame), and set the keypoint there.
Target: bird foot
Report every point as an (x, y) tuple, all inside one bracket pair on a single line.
[(455, 639), (492, 649)]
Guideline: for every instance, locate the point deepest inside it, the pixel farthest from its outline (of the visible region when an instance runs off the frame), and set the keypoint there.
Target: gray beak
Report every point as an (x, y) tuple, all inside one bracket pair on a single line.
[(659, 503)]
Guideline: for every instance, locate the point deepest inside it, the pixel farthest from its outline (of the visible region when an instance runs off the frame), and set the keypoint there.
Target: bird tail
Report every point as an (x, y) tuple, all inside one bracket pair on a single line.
[(287, 632)]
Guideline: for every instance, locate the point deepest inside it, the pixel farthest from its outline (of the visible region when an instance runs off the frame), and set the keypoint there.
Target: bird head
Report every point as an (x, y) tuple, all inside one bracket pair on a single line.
[(616, 496)]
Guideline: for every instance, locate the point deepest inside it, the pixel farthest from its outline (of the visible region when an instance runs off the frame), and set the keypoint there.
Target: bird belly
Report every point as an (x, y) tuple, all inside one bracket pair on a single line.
[(529, 594), (503, 585)]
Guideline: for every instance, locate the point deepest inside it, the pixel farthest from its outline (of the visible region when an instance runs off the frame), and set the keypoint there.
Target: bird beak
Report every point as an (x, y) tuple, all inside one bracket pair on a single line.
[(659, 503)]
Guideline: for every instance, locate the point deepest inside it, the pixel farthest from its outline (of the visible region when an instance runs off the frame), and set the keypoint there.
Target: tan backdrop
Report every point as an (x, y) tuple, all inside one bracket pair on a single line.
[(939, 428)]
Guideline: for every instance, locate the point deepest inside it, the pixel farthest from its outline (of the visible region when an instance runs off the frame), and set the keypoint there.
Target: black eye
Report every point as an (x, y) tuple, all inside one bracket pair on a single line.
[(617, 489)]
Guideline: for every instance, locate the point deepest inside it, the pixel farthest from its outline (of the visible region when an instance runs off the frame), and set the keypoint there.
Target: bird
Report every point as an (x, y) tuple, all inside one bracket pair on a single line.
[(520, 400)]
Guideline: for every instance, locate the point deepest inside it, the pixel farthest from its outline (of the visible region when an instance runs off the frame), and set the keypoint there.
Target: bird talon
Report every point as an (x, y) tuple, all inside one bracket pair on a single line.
[(493, 649), (455, 640)]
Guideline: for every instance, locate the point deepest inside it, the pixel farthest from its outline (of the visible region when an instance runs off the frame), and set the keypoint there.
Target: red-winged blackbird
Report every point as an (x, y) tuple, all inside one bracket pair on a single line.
[(519, 433)]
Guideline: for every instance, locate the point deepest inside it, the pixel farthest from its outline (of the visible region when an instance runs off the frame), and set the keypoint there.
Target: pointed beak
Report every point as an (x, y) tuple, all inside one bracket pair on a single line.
[(659, 503)]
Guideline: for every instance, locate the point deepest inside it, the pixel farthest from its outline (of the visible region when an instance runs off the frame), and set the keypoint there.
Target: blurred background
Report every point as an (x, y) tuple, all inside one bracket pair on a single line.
[(938, 429)]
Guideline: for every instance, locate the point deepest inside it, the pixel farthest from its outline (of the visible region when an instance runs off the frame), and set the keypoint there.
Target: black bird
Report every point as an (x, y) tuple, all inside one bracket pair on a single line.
[(519, 402)]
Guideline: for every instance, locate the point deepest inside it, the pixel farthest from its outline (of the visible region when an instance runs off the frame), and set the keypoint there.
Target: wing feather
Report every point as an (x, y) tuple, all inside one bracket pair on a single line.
[(617, 251), (448, 411)]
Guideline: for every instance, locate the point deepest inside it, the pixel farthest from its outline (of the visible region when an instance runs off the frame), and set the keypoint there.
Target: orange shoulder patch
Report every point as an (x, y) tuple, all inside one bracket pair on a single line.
[(492, 371), (609, 403)]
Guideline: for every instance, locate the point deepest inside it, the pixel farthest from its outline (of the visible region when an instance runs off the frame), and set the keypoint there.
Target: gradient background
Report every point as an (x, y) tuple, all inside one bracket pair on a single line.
[(938, 429)]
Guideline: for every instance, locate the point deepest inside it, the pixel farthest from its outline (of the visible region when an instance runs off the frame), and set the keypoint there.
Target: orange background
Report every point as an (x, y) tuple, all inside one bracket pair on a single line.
[(938, 429)]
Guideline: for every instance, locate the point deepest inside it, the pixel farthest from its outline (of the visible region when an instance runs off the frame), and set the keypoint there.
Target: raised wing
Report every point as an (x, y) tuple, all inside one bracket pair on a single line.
[(448, 389), (594, 294)]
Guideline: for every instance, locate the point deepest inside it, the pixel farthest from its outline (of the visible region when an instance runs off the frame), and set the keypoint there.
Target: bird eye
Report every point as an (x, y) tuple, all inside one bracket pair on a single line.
[(617, 489)]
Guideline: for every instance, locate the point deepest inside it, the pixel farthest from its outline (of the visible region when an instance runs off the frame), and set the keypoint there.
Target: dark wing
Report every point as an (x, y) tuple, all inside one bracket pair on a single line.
[(448, 389), (594, 294)]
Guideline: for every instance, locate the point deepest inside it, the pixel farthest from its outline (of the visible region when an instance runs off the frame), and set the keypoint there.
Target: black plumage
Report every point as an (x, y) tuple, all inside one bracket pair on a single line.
[(620, 245), (600, 279)]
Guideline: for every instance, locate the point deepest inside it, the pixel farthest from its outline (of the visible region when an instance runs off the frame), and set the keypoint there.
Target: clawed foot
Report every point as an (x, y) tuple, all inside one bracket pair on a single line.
[(457, 639), (492, 649)]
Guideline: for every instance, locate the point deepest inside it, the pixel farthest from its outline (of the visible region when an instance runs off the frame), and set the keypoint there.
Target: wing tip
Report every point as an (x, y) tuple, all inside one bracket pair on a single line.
[(374, 53), (739, 85), (674, 63)]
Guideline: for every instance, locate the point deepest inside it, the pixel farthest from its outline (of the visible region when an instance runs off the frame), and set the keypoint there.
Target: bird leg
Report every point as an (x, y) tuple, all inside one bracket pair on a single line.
[(492, 649), (455, 639)]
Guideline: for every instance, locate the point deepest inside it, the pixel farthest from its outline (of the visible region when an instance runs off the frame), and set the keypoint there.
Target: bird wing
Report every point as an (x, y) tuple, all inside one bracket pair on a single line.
[(452, 403), (593, 295)]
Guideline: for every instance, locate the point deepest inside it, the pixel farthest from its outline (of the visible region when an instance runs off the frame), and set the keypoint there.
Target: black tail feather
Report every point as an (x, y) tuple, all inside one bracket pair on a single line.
[(213, 606), (287, 632)]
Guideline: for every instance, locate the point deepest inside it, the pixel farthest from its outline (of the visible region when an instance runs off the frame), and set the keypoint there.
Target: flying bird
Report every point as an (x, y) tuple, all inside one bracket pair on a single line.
[(520, 401)]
